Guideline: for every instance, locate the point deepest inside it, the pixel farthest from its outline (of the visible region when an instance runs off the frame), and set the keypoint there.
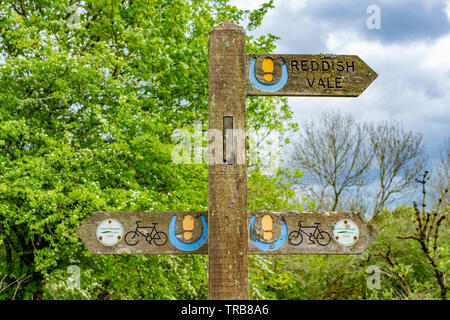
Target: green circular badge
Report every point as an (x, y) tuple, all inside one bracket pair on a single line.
[(109, 232), (346, 232)]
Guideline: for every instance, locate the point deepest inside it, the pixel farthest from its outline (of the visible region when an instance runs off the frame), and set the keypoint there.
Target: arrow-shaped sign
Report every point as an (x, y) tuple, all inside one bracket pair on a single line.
[(307, 75), (145, 232), (303, 232), (187, 232)]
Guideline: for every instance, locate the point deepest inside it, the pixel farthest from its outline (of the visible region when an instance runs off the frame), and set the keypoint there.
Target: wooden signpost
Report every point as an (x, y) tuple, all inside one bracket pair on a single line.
[(227, 232), (293, 232), (324, 75)]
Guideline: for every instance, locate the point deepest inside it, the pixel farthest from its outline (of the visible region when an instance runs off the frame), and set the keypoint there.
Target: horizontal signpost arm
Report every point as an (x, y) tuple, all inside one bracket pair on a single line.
[(270, 232), (147, 233), (307, 75), (304, 232)]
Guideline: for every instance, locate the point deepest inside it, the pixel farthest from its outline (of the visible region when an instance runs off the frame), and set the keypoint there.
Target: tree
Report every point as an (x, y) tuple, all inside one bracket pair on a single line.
[(398, 159), (333, 153), (441, 178), (343, 156), (428, 232), (87, 111)]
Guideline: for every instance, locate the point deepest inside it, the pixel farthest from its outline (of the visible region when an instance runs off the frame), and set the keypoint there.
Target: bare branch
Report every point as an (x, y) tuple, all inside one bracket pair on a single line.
[(425, 224)]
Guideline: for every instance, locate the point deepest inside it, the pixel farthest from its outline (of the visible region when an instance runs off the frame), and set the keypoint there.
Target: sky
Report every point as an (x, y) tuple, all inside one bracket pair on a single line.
[(409, 49)]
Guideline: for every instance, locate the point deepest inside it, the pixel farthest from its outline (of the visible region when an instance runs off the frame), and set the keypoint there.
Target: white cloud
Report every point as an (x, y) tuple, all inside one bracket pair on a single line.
[(254, 4), (437, 56), (447, 10), (247, 4), (413, 85), (413, 67), (294, 4)]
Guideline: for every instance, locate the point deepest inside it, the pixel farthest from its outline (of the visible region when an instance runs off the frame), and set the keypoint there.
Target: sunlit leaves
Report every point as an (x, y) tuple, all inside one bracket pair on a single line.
[(86, 118)]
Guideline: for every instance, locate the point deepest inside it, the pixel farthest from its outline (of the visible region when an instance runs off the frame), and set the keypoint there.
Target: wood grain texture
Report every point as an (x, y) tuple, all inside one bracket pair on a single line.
[(326, 220), (228, 237), (87, 232), (313, 75)]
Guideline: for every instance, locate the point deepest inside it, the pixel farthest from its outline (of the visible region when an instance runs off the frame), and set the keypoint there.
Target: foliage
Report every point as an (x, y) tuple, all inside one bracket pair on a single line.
[(87, 113), (405, 273), (275, 192), (429, 225), (86, 118)]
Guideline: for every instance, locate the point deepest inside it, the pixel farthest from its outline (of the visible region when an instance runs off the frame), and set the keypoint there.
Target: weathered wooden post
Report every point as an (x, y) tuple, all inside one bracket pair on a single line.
[(227, 214), (227, 232)]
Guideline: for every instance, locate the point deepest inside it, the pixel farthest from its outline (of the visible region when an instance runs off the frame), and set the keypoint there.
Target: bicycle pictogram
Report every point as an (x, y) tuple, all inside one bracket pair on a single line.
[(321, 237), (150, 234)]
